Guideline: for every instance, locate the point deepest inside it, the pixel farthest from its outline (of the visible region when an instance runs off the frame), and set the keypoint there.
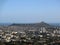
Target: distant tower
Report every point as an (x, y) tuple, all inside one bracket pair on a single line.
[(43, 29)]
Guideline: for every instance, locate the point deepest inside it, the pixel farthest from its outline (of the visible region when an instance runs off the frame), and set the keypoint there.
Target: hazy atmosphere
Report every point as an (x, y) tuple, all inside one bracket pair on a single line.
[(29, 22), (29, 11)]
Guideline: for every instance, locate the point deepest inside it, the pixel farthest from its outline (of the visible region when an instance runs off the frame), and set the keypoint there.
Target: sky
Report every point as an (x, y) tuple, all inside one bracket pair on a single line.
[(29, 11)]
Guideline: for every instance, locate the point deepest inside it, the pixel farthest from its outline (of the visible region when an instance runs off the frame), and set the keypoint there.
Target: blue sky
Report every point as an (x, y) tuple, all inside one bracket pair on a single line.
[(29, 11)]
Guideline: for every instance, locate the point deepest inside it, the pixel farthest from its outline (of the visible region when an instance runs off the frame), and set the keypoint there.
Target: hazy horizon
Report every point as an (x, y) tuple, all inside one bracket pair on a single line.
[(29, 11)]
